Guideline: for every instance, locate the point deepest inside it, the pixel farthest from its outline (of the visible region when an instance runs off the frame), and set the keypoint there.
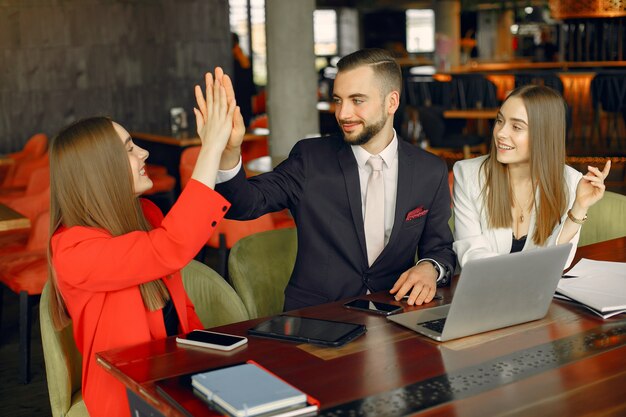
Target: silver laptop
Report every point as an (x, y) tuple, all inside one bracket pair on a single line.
[(493, 293)]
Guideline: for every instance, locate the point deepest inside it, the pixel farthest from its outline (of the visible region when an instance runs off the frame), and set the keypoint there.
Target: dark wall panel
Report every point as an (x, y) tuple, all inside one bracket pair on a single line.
[(133, 60)]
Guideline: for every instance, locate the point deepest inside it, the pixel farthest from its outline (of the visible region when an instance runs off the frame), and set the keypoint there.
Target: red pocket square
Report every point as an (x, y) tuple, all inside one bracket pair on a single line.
[(415, 213)]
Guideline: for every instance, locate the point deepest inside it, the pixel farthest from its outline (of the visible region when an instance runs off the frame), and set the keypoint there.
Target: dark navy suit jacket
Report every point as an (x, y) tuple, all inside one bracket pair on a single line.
[(319, 184)]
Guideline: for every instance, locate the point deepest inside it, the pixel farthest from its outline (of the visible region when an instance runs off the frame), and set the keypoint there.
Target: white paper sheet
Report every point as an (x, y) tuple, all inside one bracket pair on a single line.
[(600, 285)]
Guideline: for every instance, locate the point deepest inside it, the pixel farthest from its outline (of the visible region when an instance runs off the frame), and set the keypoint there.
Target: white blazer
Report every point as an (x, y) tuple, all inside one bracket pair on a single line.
[(473, 238)]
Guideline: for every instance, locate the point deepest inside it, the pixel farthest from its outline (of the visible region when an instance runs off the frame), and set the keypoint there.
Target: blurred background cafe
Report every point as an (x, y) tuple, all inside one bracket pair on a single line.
[(137, 61)]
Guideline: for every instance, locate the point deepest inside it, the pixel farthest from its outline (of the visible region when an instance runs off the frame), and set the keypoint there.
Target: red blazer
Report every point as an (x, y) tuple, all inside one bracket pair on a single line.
[(99, 276)]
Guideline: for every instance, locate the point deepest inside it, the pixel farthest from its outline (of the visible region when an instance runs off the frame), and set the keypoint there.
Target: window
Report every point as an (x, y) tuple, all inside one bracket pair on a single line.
[(259, 50), (325, 32), (239, 23), (420, 30), (251, 37)]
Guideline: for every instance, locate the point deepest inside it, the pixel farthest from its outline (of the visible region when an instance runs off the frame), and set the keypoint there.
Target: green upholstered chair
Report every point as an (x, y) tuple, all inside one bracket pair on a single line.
[(63, 364), (260, 266), (451, 222), (216, 302), (607, 220)]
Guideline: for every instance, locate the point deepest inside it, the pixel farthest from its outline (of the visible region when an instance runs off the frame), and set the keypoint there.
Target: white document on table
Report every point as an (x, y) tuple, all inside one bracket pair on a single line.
[(599, 285)]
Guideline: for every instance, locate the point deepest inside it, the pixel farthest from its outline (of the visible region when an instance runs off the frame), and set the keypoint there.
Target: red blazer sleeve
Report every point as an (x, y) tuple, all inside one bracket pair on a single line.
[(152, 212), (93, 260)]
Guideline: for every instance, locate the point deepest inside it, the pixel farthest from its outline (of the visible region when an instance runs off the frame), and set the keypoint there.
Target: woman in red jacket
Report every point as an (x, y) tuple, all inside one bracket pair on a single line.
[(115, 259)]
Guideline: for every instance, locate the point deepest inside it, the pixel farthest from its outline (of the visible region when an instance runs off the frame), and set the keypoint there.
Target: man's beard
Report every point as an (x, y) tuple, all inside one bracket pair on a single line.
[(369, 131)]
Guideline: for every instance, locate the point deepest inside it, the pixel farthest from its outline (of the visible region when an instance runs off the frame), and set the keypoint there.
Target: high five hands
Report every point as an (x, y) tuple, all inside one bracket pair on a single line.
[(230, 157), (215, 113)]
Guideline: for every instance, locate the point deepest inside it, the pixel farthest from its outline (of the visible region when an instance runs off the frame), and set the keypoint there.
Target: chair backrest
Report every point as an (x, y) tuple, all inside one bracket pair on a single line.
[(20, 172), (35, 147), (437, 128), (608, 89), (215, 301), (260, 266), (606, 220), (234, 230), (188, 159), (63, 362), (474, 91), (38, 181), (418, 91), (39, 232), (547, 78), (433, 123), (31, 205), (259, 121)]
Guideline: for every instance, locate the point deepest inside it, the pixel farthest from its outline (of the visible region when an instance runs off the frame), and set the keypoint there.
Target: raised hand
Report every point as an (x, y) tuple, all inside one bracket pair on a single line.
[(214, 120), (214, 114), (591, 186), (239, 128)]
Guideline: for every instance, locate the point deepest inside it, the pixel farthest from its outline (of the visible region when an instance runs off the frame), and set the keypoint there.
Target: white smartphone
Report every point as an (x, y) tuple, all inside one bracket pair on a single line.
[(212, 340)]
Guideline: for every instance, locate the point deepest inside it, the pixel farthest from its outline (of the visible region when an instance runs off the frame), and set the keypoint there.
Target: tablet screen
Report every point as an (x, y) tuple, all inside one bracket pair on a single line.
[(303, 329)]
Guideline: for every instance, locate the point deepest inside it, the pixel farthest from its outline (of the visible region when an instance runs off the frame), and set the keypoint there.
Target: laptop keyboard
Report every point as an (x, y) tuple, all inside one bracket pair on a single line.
[(436, 325)]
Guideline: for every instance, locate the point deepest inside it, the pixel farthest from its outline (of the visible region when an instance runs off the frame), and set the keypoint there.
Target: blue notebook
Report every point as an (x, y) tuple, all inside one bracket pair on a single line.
[(247, 390)]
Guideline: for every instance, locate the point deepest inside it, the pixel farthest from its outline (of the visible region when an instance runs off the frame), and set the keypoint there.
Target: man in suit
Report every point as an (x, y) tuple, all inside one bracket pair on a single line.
[(349, 244)]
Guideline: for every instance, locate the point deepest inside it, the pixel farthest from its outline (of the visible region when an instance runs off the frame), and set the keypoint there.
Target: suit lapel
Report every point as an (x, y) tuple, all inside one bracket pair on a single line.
[(353, 190)]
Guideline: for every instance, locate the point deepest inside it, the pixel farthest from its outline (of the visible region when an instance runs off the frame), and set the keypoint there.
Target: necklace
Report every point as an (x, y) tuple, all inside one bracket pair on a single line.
[(522, 208)]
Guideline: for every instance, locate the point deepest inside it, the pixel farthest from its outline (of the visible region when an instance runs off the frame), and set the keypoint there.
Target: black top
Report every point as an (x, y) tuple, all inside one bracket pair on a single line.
[(170, 318), (518, 244)]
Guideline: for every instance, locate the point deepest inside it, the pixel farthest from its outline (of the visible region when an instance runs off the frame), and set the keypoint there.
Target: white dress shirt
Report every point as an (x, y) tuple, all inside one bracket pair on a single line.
[(390, 179)]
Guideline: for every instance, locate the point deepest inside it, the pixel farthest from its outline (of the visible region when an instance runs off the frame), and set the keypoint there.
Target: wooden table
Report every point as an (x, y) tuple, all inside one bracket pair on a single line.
[(479, 115), (471, 114), (5, 160), (12, 220), (583, 375), (186, 139)]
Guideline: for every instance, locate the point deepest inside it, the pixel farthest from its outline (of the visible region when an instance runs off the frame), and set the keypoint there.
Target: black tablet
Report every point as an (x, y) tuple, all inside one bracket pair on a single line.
[(303, 329)]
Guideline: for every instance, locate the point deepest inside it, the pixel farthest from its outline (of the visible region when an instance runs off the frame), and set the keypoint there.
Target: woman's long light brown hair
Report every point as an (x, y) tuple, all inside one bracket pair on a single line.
[(91, 185), (546, 111)]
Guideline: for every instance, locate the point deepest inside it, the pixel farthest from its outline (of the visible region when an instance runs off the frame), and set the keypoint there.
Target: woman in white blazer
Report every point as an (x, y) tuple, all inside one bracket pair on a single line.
[(522, 195)]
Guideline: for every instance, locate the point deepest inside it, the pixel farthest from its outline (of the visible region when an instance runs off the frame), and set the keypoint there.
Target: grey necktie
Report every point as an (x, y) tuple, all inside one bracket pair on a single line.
[(375, 210)]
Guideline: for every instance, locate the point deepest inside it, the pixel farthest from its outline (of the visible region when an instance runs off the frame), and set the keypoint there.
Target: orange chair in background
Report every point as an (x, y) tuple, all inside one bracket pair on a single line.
[(35, 147), (188, 159), (259, 122), (25, 273), (152, 169), (18, 175), (259, 103), (163, 186), (32, 203), (252, 149), (38, 181), (228, 232)]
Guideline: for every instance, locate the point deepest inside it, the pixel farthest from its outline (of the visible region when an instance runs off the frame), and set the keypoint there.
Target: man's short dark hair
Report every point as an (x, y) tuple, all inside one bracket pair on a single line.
[(381, 61)]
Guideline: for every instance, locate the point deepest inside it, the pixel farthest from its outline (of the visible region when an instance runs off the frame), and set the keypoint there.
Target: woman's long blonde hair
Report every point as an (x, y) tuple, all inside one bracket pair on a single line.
[(91, 185), (546, 112)]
